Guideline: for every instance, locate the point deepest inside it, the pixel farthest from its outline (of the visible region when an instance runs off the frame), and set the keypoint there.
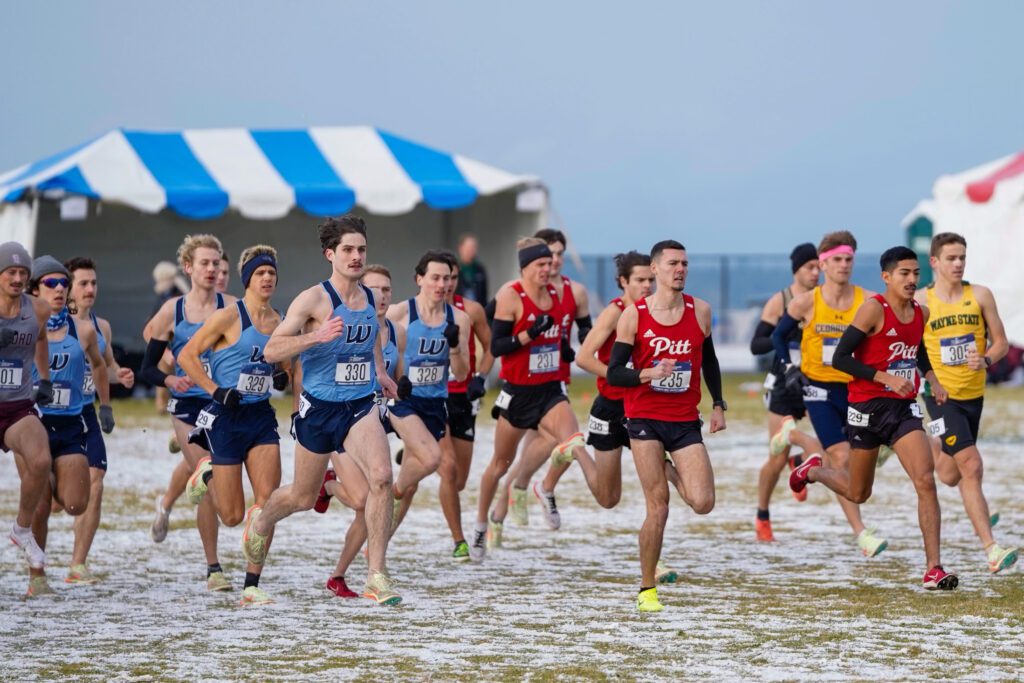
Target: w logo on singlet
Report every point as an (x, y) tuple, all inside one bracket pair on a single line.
[(59, 361), (432, 347), (357, 334), (257, 355)]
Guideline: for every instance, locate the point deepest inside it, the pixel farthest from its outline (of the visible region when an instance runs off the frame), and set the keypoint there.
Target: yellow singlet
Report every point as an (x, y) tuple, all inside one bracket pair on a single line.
[(821, 335), (951, 331)]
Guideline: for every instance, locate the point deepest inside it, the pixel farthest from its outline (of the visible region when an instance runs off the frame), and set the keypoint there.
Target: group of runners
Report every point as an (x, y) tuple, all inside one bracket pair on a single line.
[(362, 366)]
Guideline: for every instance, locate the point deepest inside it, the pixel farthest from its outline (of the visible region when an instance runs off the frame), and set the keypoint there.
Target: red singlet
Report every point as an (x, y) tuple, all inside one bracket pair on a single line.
[(568, 303), (460, 387), (539, 361), (604, 354), (893, 350)]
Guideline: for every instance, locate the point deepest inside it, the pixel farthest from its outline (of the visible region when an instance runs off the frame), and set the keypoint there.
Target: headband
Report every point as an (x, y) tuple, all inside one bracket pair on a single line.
[(250, 266), (835, 251), (528, 255)]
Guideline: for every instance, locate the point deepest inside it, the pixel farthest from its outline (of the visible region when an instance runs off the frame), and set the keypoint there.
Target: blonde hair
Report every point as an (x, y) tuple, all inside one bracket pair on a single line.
[(192, 242), (255, 250), (525, 242)]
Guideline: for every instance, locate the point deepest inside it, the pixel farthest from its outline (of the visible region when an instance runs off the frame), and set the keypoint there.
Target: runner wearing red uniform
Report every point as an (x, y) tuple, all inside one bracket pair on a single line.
[(882, 350), (667, 336)]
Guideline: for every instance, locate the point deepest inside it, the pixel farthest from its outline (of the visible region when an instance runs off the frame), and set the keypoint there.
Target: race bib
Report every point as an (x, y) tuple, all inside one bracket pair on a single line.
[(937, 427), (677, 382), (304, 405), (954, 349), (204, 420), (915, 410), (254, 379), (904, 369), (504, 398), (172, 405), (828, 350), (352, 370), (11, 374), (88, 385), (596, 426), (855, 418), (61, 395), (544, 359), (475, 407), (813, 393), (427, 373), (769, 381)]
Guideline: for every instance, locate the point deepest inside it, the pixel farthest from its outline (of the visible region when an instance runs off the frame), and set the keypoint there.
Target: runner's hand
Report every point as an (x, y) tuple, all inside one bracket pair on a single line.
[(664, 368), (795, 379), (404, 388), (44, 393), (975, 361), (126, 377), (227, 397), (387, 386), (540, 326), (568, 355), (106, 419), (330, 330), (179, 385), (939, 393), (280, 380), (717, 420), (476, 387), (901, 386), (451, 333)]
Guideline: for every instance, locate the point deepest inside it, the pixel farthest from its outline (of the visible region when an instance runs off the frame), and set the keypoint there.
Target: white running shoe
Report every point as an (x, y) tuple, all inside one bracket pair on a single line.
[(159, 529), (478, 548), (548, 506), (24, 539)]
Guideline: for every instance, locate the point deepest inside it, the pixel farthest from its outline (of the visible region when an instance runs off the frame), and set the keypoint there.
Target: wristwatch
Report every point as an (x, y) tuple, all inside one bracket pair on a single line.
[(988, 361), (720, 404)]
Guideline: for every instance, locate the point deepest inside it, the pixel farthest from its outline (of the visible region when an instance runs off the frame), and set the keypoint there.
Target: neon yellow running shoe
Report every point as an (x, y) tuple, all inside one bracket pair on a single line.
[(647, 601), (562, 453), (870, 544), (196, 487), (780, 440), (665, 574), (461, 552), (79, 573), (217, 582), (253, 596), (39, 587), (254, 544), (494, 532), (380, 588), (1001, 558), (517, 505)]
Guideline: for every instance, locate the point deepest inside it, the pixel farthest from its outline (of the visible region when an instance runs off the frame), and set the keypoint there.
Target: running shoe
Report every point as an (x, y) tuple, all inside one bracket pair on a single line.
[(938, 579), (380, 588), (196, 487), (798, 477), (494, 530), (337, 585), (763, 527), (780, 439), (217, 582), (647, 601), (323, 501), (562, 453), (665, 574), (795, 461), (159, 529), (79, 573), (254, 595), (1001, 558), (517, 505), (548, 506), (39, 587), (993, 519), (172, 445), (24, 539), (461, 552), (254, 544), (870, 544), (884, 453), (479, 547)]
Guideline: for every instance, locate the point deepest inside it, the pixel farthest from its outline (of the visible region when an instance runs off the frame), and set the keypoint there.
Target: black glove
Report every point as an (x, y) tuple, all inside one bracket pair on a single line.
[(44, 393), (540, 325), (476, 387), (7, 337), (227, 397), (568, 355), (280, 380), (451, 333), (795, 380), (106, 419), (404, 387)]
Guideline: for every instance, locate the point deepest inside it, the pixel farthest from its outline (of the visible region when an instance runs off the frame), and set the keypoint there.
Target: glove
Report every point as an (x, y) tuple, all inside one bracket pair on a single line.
[(451, 333), (280, 380), (568, 355), (540, 325), (227, 397), (106, 419), (795, 380), (404, 387), (44, 393), (476, 387), (7, 337)]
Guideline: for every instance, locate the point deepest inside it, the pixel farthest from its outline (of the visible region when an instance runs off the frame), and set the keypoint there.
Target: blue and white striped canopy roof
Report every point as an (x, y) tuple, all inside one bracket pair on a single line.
[(263, 174)]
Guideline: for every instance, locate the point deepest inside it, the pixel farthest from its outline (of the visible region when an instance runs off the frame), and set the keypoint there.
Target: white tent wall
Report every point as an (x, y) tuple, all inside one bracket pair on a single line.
[(126, 244)]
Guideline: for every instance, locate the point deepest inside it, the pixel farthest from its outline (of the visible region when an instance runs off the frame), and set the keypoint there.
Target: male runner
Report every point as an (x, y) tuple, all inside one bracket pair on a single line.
[(333, 325), (961, 314), (81, 302), (224, 273), (783, 402), (824, 314), (881, 349), (173, 325), (667, 338), (239, 424), (70, 345)]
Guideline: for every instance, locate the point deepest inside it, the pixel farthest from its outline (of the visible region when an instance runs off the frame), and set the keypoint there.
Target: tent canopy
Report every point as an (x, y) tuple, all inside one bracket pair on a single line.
[(262, 174)]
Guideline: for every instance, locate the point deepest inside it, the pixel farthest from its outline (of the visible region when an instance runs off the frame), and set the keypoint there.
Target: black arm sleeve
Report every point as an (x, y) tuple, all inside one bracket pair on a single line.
[(149, 371), (712, 371), (489, 309), (618, 374), (780, 337), (762, 342), (583, 327), (502, 340), (924, 363), (843, 359)]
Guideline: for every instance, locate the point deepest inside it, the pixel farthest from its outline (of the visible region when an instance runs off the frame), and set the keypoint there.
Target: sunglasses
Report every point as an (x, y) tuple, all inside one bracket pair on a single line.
[(54, 282)]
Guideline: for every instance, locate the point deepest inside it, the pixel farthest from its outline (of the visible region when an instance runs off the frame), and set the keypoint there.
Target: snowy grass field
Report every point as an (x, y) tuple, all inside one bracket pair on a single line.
[(550, 605)]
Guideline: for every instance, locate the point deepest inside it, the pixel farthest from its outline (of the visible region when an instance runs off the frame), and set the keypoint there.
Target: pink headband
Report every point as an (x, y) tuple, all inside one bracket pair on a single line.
[(835, 251)]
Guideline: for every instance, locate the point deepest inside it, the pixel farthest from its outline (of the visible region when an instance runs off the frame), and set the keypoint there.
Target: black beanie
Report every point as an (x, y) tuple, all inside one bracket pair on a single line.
[(803, 253)]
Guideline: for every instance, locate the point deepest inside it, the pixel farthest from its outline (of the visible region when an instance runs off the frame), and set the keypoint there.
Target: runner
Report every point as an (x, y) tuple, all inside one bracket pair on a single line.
[(824, 314), (23, 347), (70, 345), (962, 313), (668, 337), (173, 325), (881, 349), (81, 303), (334, 327), (783, 403), (239, 425), (224, 273)]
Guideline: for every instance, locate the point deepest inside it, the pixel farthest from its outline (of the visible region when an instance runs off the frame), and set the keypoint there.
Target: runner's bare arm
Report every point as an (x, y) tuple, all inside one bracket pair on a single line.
[(206, 338), (387, 385), (482, 332), (400, 343), (123, 376), (999, 345), (460, 356), (42, 356), (586, 359), (91, 347)]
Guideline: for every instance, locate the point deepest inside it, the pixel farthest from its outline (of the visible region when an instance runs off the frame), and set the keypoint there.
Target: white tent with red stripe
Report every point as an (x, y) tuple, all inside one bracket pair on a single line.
[(985, 204)]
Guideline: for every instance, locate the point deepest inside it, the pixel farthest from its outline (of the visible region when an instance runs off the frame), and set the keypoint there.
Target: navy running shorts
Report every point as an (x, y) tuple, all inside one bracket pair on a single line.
[(826, 404), (322, 426), (233, 433)]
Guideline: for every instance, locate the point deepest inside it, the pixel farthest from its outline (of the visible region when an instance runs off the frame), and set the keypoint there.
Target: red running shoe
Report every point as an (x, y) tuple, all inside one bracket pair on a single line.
[(324, 501), (337, 585), (764, 530), (794, 462), (938, 580), (798, 477)]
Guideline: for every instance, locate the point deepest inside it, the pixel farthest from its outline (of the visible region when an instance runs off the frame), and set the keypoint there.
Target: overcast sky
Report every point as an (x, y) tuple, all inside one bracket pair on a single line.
[(732, 126)]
